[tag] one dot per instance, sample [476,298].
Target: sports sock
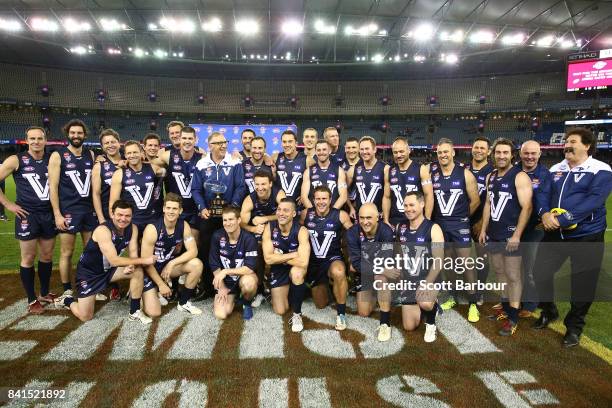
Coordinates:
[44,276]
[247,302]
[113,285]
[296,297]
[430,315]
[513,314]
[67,286]
[68,301]
[27,279]
[185,294]
[134,305]
[505,306]
[384,317]
[472,298]
[341,308]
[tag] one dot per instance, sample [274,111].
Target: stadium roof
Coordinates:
[318,39]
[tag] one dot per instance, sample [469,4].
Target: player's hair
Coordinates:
[188,129]
[213,134]
[259,138]
[482,139]
[131,143]
[150,136]
[351,139]
[401,139]
[175,123]
[174,198]
[248,130]
[503,141]
[329,129]
[368,139]
[311,129]
[122,204]
[322,188]
[418,194]
[231,209]
[35,128]
[289,132]
[322,141]
[290,201]
[446,140]
[75,122]
[586,137]
[263,173]
[109,132]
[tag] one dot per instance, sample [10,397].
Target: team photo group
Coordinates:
[183,224]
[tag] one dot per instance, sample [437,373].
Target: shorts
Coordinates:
[457,233]
[35,226]
[148,284]
[279,276]
[90,283]
[318,270]
[83,222]
[193,219]
[232,285]
[496,247]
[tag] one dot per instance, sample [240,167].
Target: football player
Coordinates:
[324,172]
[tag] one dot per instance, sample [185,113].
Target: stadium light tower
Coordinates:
[247,26]
[482,37]
[111,24]
[292,28]
[73,26]
[43,24]
[322,27]
[213,25]
[10,25]
[423,32]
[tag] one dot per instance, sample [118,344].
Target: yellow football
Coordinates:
[559,211]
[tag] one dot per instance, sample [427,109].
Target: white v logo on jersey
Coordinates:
[81,187]
[416,261]
[41,192]
[320,249]
[185,189]
[331,184]
[481,188]
[397,190]
[141,202]
[447,207]
[289,187]
[369,196]
[227,263]
[498,209]
[578,177]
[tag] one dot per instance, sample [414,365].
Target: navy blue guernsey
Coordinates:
[451,201]
[481,179]
[369,184]
[325,234]
[137,189]
[401,182]
[180,173]
[355,237]
[168,246]
[289,174]
[31,183]
[339,157]
[92,258]
[225,255]
[505,206]
[249,172]
[75,182]
[283,243]
[107,169]
[416,243]
[328,177]
[263,208]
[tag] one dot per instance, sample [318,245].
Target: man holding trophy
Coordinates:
[218,179]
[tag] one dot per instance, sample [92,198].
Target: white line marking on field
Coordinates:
[154,395]
[463,334]
[518,377]
[12,313]
[198,338]
[504,393]
[539,397]
[327,343]
[263,336]
[131,341]
[12,350]
[194,394]
[313,393]
[40,323]
[274,393]
[393,390]
[167,325]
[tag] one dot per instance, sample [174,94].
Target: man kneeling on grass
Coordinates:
[101,263]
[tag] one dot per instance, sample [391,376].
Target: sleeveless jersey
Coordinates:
[137,188]
[282,243]
[369,184]
[481,179]
[356,238]
[328,177]
[339,157]
[92,258]
[168,246]
[289,174]
[325,234]
[225,255]
[451,201]
[249,172]
[31,183]
[401,182]
[416,244]
[107,169]
[505,207]
[75,181]
[180,173]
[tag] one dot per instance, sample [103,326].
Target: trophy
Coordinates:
[217,203]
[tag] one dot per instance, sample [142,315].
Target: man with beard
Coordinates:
[504,218]
[101,263]
[136,184]
[370,230]
[456,198]
[333,138]
[405,176]
[580,188]
[70,192]
[286,249]
[325,226]
[324,172]
[34,226]
[253,164]
[290,166]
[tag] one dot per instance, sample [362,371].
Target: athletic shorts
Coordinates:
[496,247]
[148,282]
[83,222]
[279,276]
[232,285]
[90,283]
[395,221]
[318,270]
[35,226]
[457,233]
[193,219]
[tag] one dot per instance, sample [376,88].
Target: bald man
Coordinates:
[370,230]
[540,181]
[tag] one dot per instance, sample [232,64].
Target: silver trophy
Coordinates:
[217,203]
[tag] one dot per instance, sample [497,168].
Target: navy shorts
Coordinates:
[318,270]
[89,283]
[457,233]
[232,284]
[148,282]
[35,226]
[395,221]
[279,276]
[499,246]
[83,222]
[193,219]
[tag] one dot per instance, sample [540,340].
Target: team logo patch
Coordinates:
[411,178]
[28,168]
[403,229]
[504,185]
[67,156]
[108,174]
[176,159]
[394,180]
[557,176]
[148,177]
[128,173]
[24,224]
[393,171]
[177,168]
[130,181]
[106,166]
[68,218]
[315,176]
[222,242]
[208,171]
[436,185]
[25,159]
[436,177]
[456,183]
[311,225]
[70,166]
[247,166]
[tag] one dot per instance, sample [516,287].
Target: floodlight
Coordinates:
[513,39]
[160,53]
[482,37]
[423,32]
[139,52]
[214,25]
[247,27]
[545,41]
[10,25]
[111,25]
[292,27]
[566,43]
[451,59]
[79,50]
[397,58]
[419,58]
[377,58]
[322,28]
[43,24]
[74,26]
